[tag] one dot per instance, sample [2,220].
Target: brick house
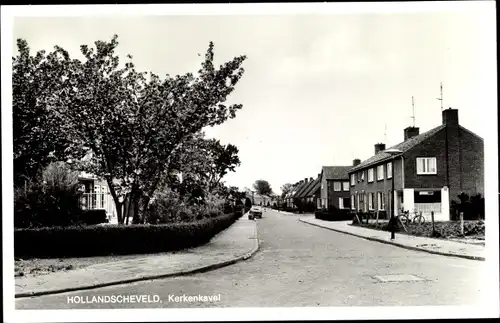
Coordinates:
[334,187]
[301,197]
[298,188]
[432,170]
[313,193]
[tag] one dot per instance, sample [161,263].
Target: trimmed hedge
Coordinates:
[104,240]
[91,217]
[446,229]
[333,215]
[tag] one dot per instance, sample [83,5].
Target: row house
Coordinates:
[428,171]
[303,191]
[308,194]
[334,188]
[313,193]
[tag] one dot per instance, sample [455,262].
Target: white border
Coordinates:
[491,170]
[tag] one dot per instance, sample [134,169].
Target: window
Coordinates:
[353,207]
[362,175]
[337,186]
[370,175]
[380,202]
[343,202]
[380,172]
[345,186]
[426,165]
[370,201]
[353,179]
[389,170]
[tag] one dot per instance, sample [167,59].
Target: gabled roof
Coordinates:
[313,188]
[299,189]
[336,172]
[403,146]
[304,189]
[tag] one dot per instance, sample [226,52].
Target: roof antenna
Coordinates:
[385,134]
[441,97]
[413,110]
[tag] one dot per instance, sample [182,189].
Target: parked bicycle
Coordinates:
[415,217]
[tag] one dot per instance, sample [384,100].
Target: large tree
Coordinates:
[285,189]
[202,164]
[38,134]
[262,187]
[133,122]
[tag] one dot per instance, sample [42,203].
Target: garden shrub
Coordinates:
[87,241]
[52,201]
[333,215]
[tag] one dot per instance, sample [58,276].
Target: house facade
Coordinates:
[313,193]
[334,188]
[430,170]
[96,194]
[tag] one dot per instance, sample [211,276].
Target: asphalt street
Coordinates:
[301,265]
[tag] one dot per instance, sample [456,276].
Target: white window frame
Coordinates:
[370,201]
[426,165]
[389,170]
[380,202]
[362,175]
[345,186]
[380,172]
[353,202]
[337,186]
[370,175]
[344,205]
[353,179]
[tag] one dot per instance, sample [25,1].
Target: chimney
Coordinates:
[379,147]
[305,180]
[411,132]
[311,179]
[450,117]
[356,162]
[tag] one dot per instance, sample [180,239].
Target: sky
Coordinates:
[319,89]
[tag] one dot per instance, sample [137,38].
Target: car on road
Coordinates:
[255,212]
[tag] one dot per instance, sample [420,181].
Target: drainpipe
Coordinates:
[402,175]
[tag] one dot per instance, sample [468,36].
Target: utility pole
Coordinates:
[441,96]
[413,110]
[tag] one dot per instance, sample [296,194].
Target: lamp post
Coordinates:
[392,222]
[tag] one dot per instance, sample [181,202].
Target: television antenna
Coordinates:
[441,96]
[385,133]
[413,110]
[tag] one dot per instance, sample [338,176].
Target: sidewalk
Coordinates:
[236,243]
[430,245]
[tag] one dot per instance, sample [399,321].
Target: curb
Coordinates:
[399,244]
[197,270]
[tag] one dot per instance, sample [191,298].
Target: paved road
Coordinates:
[303,265]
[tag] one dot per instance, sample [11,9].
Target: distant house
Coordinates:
[335,187]
[258,199]
[299,195]
[432,169]
[313,193]
[95,192]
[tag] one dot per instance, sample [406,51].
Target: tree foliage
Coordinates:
[38,133]
[133,122]
[262,187]
[285,189]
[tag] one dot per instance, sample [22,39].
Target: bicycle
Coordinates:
[406,218]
